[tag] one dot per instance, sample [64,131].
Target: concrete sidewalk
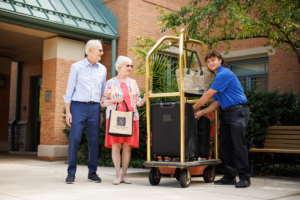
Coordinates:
[37,180]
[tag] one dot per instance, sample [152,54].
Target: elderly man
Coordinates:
[85,88]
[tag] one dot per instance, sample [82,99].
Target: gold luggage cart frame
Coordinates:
[184,167]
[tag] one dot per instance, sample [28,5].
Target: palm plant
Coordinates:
[162,69]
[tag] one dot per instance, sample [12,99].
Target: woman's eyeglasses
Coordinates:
[129,66]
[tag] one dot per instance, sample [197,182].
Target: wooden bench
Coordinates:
[279,139]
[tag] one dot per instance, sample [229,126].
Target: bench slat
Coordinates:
[282,132]
[292,137]
[276,150]
[282,141]
[295,128]
[283,148]
[282,145]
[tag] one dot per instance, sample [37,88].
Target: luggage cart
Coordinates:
[182,166]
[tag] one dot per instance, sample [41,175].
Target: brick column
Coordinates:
[58,56]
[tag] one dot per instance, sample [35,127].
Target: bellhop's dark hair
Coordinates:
[214,53]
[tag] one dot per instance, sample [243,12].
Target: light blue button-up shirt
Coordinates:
[86,82]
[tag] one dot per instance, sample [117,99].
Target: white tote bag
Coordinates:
[120,123]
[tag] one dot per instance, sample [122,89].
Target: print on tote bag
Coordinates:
[121,121]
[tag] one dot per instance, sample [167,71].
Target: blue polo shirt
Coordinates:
[230,91]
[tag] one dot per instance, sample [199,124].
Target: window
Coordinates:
[253,74]
[172,66]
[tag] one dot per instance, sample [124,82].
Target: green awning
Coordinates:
[78,18]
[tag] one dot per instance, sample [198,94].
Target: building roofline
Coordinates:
[20,19]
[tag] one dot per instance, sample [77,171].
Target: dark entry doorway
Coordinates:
[36,105]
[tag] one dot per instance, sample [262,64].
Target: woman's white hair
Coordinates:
[121,60]
[92,44]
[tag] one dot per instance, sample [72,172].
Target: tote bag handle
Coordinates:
[125,105]
[190,62]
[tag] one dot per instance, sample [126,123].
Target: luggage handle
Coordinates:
[169,101]
[190,62]
[167,104]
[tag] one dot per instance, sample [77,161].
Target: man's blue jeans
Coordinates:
[89,115]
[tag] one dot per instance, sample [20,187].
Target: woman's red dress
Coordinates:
[134,139]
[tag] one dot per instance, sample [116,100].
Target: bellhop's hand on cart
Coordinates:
[205,98]
[228,93]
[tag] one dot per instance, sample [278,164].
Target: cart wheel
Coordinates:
[154,176]
[185,178]
[209,174]
[177,174]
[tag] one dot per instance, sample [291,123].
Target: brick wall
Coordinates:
[106,59]
[20,132]
[284,71]
[55,78]
[4,108]
[120,9]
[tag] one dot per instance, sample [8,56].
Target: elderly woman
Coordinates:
[118,89]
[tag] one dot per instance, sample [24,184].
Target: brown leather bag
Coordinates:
[196,82]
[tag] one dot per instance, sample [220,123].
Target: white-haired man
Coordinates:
[85,88]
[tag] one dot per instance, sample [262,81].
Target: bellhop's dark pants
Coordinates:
[234,148]
[89,114]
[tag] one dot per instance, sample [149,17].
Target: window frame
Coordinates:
[248,76]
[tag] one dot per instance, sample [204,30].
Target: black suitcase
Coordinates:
[203,137]
[165,125]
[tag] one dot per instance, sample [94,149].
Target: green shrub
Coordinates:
[271,109]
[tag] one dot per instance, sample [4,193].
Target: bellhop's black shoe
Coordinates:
[224,181]
[243,184]
[94,178]
[70,179]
